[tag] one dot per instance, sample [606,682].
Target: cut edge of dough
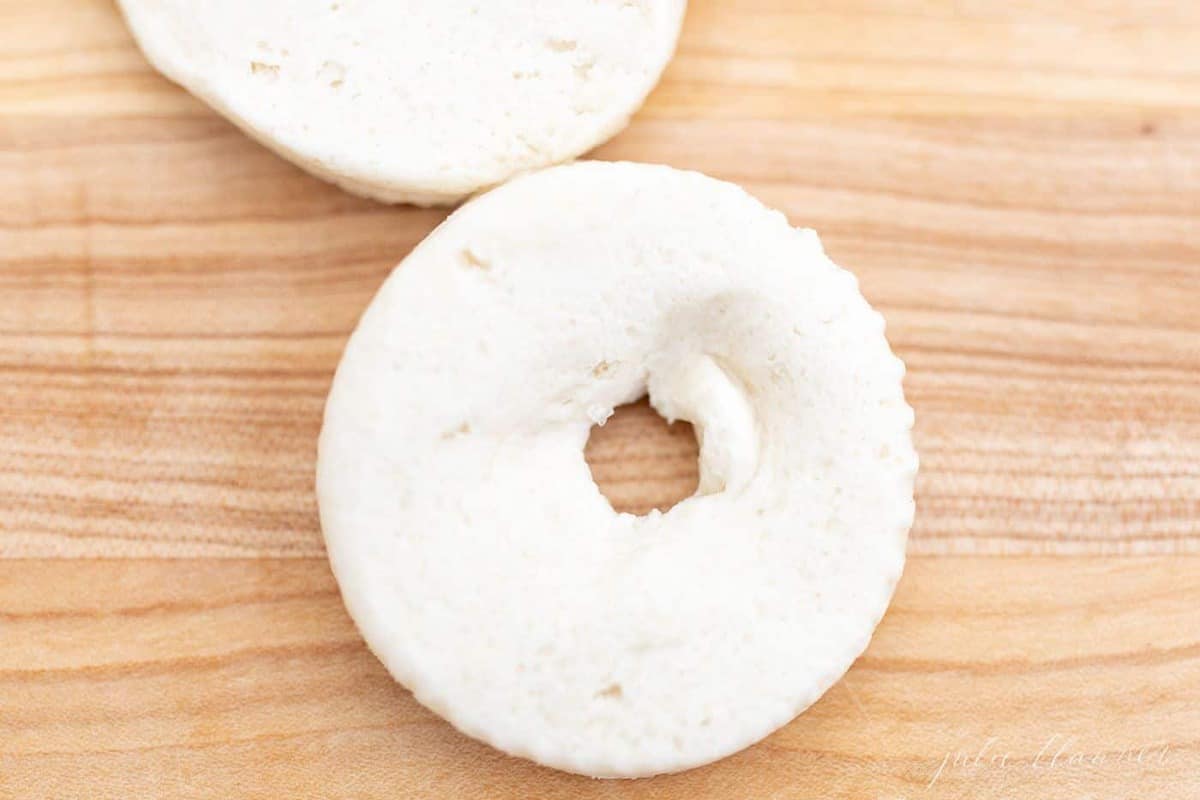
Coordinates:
[393,189]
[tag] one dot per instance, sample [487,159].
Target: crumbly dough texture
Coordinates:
[476,553]
[415,101]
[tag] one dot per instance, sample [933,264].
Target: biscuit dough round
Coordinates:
[416,101]
[478,556]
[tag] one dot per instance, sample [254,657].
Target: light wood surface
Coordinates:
[1017,185]
[232,678]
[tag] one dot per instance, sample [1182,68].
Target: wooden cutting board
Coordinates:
[1017,184]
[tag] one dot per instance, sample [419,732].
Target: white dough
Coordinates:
[476,553]
[416,101]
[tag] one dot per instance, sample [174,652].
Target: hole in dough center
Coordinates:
[640,462]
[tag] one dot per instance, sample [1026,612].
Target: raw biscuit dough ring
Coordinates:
[415,101]
[475,551]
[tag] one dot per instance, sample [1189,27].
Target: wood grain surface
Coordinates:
[245,678]
[1017,185]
